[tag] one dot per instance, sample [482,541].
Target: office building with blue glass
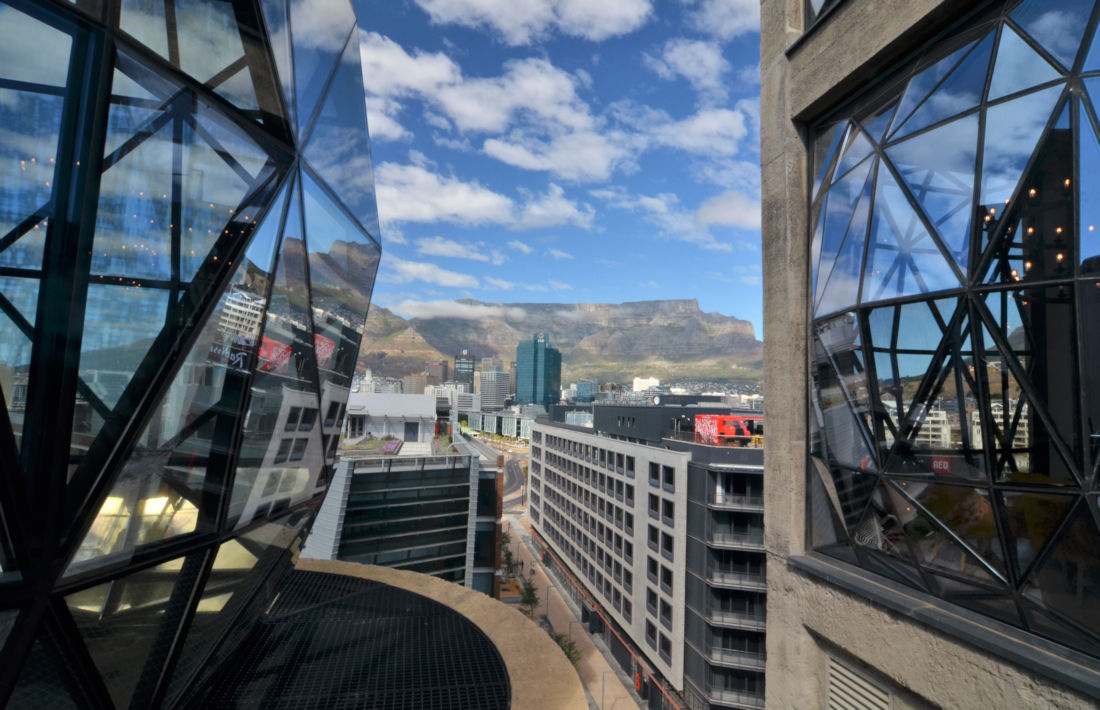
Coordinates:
[538,372]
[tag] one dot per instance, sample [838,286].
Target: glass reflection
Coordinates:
[277,469]
[37,56]
[1011,132]
[1088,157]
[838,213]
[902,258]
[921,85]
[18,304]
[960,91]
[1018,66]
[339,147]
[317,49]
[938,169]
[842,289]
[1058,25]
[189,435]
[1068,579]
[120,621]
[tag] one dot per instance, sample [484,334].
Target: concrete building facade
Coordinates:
[928,170]
[667,538]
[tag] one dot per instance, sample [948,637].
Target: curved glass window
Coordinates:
[955,271]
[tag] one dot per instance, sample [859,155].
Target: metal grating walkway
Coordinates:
[339,642]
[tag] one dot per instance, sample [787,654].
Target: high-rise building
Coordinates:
[414,384]
[932,402]
[437,372]
[188,241]
[538,372]
[493,387]
[665,537]
[464,369]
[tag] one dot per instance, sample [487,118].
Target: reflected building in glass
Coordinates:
[188,244]
[944,441]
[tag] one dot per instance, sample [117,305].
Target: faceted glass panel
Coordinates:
[857,149]
[189,434]
[842,289]
[1058,25]
[842,402]
[902,258]
[876,125]
[825,150]
[339,147]
[1089,188]
[1067,579]
[1018,67]
[18,304]
[47,680]
[1011,132]
[275,18]
[318,47]
[120,620]
[826,527]
[839,213]
[921,85]
[1089,300]
[959,92]
[1031,519]
[1067,632]
[938,168]
[967,513]
[276,469]
[882,527]
[36,55]
[144,20]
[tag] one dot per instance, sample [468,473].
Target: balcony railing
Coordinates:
[736,697]
[749,660]
[751,540]
[736,502]
[747,620]
[742,580]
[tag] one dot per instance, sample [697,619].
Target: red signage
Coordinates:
[325,348]
[273,355]
[941,465]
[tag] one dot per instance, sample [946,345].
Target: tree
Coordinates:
[568,647]
[529,598]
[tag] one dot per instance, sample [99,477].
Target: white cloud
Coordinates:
[559,286]
[440,246]
[519,22]
[750,280]
[382,119]
[701,63]
[520,246]
[664,212]
[455,310]
[411,193]
[501,284]
[724,19]
[559,254]
[731,208]
[554,209]
[388,70]
[716,131]
[580,156]
[397,270]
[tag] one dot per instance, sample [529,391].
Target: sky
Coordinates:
[564,151]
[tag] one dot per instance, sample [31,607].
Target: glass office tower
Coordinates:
[188,243]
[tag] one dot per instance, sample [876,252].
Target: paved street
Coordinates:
[593,665]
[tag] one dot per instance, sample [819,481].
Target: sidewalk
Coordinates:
[599,678]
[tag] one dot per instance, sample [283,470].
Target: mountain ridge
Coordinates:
[669,339]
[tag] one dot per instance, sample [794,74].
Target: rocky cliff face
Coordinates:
[607,341]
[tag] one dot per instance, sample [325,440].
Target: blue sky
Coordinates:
[565,151]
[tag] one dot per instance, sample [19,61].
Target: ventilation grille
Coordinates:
[849,690]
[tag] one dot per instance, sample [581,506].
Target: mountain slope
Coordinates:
[666,339]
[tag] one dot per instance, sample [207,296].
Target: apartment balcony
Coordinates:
[737,579]
[742,503]
[744,620]
[736,698]
[750,540]
[743,660]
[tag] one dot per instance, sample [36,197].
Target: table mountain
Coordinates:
[670,339]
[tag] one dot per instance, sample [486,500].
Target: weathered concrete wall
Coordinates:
[808,618]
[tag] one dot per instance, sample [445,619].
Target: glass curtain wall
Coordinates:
[955,291]
[188,243]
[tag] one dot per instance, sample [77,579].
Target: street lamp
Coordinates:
[603,686]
